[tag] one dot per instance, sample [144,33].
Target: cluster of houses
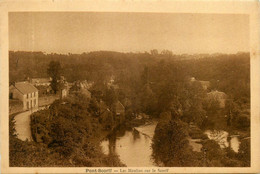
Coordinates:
[216,95]
[27,94]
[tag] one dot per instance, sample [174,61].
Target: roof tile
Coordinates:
[25,87]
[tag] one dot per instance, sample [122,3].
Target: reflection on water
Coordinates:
[221,137]
[132,146]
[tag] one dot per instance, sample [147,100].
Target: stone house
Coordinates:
[26,93]
[80,87]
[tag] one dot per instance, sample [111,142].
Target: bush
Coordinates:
[244,152]
[67,128]
[242,122]
[170,145]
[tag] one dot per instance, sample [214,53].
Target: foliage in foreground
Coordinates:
[68,136]
[171,148]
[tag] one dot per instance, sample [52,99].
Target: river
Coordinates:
[221,137]
[133,145]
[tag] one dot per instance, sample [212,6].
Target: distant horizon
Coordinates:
[137,52]
[78,32]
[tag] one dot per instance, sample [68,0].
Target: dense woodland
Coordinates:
[134,72]
[157,84]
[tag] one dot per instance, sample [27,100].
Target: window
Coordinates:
[34,102]
[27,96]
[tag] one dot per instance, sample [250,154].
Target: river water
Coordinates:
[221,137]
[132,146]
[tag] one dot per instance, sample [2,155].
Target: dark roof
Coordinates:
[25,87]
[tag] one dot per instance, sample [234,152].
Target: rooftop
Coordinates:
[40,80]
[25,87]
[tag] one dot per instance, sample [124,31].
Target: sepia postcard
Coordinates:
[130,86]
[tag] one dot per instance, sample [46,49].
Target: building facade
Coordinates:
[26,93]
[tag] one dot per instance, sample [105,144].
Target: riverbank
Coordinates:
[219,122]
[132,144]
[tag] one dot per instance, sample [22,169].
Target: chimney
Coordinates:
[29,79]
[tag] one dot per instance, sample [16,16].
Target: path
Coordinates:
[22,125]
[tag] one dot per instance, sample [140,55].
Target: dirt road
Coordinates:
[22,125]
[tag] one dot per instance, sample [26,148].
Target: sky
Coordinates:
[78,32]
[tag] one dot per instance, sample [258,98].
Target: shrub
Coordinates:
[242,122]
[170,145]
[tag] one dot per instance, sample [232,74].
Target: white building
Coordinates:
[41,81]
[26,93]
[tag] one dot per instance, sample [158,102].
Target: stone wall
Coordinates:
[15,106]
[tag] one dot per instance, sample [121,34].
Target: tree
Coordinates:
[54,71]
[154,52]
[166,52]
[145,75]
[214,155]
[28,73]
[170,145]
[148,100]
[110,97]
[165,116]
[93,107]
[244,152]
